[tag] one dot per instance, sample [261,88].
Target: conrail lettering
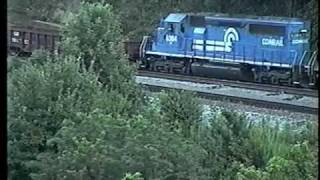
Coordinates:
[272,42]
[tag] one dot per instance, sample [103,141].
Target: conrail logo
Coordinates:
[230,36]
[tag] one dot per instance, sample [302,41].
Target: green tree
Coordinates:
[98,146]
[40,97]
[225,139]
[42,10]
[181,111]
[283,154]
[93,35]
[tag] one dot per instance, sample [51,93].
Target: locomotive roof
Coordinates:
[177,17]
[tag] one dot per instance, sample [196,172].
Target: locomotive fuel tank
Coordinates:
[222,71]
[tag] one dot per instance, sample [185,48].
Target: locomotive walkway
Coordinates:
[267,98]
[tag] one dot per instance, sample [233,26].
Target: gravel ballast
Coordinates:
[230,91]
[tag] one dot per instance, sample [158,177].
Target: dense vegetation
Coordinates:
[81,116]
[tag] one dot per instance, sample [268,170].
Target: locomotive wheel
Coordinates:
[151,65]
[247,73]
[274,79]
[287,81]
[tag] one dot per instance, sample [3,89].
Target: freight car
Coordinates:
[23,38]
[262,49]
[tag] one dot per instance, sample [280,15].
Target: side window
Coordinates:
[182,28]
[171,27]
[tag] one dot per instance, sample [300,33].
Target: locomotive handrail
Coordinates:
[312,62]
[185,46]
[280,58]
[214,49]
[301,60]
[312,58]
[244,54]
[254,54]
[294,61]
[142,46]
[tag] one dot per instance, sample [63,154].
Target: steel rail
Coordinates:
[232,83]
[244,100]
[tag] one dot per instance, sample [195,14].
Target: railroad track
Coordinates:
[244,100]
[232,83]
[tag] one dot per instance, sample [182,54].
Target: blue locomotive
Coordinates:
[262,49]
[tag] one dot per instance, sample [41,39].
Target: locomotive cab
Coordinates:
[170,33]
[303,68]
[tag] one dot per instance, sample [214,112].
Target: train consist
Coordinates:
[261,49]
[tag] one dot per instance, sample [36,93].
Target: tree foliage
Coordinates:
[180,112]
[93,35]
[62,126]
[101,47]
[41,10]
[40,97]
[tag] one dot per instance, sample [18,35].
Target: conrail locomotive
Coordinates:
[262,49]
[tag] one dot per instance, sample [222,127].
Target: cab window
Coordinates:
[171,28]
[182,28]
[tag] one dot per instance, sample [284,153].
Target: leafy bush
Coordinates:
[94,36]
[280,154]
[40,97]
[180,111]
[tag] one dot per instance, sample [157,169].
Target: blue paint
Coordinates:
[260,40]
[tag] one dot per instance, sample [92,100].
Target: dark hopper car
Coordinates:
[23,38]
